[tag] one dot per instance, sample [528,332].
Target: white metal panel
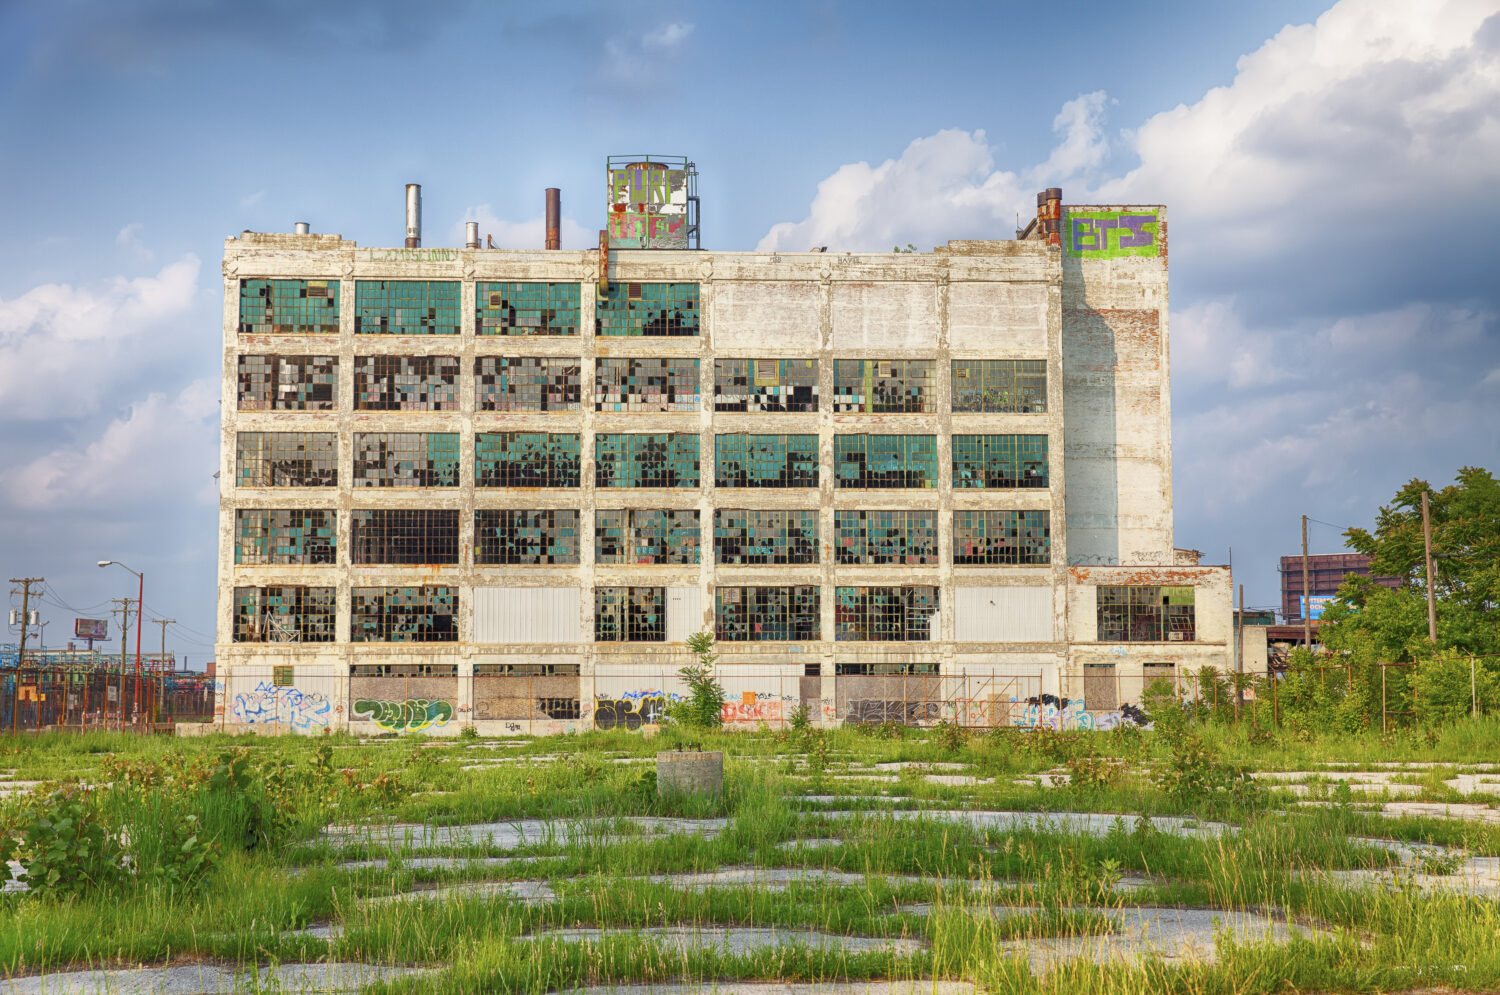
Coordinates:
[684,612]
[1003,614]
[526,615]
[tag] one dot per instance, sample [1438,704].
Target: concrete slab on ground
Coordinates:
[734,939]
[206,979]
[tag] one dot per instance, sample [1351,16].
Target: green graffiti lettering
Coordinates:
[411,715]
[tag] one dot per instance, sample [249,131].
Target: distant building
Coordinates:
[1325,572]
[502,487]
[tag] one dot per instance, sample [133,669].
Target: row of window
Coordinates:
[639,615]
[431,307]
[277,382]
[621,614]
[743,537]
[637,459]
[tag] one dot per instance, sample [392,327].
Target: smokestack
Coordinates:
[301,228]
[414,215]
[471,234]
[1049,215]
[554,218]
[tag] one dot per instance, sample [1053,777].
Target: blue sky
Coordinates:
[1331,173]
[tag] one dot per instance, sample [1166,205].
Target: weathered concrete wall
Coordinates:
[1100,325]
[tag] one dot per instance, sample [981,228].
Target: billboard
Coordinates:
[1313,605]
[90,628]
[648,203]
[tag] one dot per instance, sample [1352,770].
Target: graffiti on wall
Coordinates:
[411,715]
[751,712]
[878,711]
[269,704]
[632,709]
[1064,715]
[1112,234]
[647,207]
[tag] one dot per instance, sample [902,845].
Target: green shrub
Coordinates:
[66,848]
[704,707]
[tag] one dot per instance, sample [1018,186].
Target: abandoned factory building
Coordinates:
[501,487]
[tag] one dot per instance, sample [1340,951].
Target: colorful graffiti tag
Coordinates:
[1064,715]
[751,712]
[1112,234]
[878,711]
[411,715]
[631,711]
[268,704]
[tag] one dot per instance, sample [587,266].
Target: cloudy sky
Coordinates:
[1333,175]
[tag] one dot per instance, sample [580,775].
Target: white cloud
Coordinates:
[1082,148]
[129,239]
[667,36]
[1326,133]
[943,186]
[528,234]
[1336,124]
[61,345]
[637,60]
[159,449]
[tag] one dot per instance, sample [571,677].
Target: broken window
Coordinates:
[406,459]
[289,307]
[646,385]
[526,308]
[404,670]
[526,459]
[406,307]
[559,708]
[887,670]
[883,386]
[766,614]
[886,537]
[403,615]
[406,383]
[906,461]
[284,614]
[643,535]
[526,383]
[1002,538]
[523,536]
[1140,614]
[285,536]
[661,459]
[771,538]
[286,459]
[1000,386]
[999,461]
[885,614]
[288,383]
[526,670]
[765,385]
[630,615]
[403,536]
[766,460]
[647,309]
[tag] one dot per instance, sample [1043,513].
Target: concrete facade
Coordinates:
[525,658]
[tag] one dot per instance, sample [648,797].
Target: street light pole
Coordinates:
[139,621]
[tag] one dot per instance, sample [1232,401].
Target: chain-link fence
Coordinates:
[33,699]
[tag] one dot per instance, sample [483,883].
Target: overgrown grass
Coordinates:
[272,873]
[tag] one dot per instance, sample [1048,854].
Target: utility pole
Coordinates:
[25,582]
[124,604]
[161,674]
[1427,556]
[1239,655]
[1306,599]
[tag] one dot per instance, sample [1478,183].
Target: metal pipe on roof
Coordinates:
[554,218]
[414,215]
[301,228]
[471,234]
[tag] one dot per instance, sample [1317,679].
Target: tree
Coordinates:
[704,708]
[1370,623]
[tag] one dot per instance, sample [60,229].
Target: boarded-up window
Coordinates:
[1101,693]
